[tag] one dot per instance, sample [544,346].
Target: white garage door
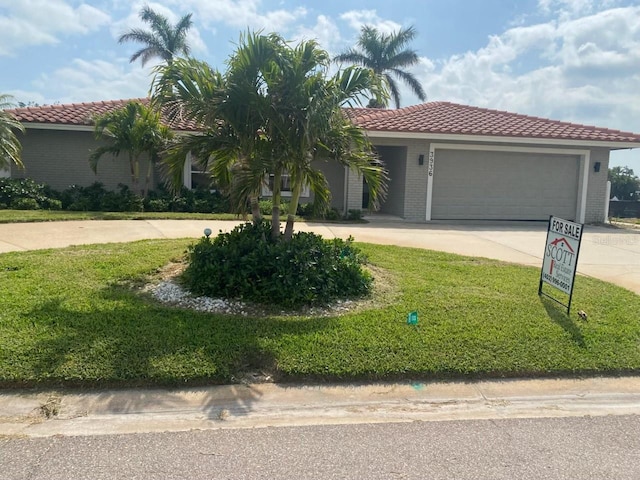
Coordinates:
[484,185]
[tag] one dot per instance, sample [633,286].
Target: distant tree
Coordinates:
[164,41]
[134,129]
[10,147]
[387,56]
[624,183]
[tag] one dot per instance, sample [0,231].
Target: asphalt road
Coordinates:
[559,448]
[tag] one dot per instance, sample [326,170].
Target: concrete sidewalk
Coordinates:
[607,253]
[262,405]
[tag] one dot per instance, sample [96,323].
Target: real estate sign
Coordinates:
[561,255]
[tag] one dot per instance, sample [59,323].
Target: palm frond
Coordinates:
[412,81]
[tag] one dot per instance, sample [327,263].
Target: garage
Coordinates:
[503,185]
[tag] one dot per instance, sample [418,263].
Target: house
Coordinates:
[446,161]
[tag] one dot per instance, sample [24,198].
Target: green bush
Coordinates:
[305,210]
[266,207]
[247,264]
[24,204]
[12,190]
[78,198]
[97,198]
[200,200]
[52,204]
[157,205]
[354,214]
[332,215]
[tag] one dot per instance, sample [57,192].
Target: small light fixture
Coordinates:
[420,159]
[207,232]
[596,167]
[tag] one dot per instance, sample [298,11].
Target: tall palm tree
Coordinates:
[273,111]
[10,146]
[387,56]
[164,41]
[134,129]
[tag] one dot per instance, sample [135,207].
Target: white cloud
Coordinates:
[582,70]
[38,22]
[90,80]
[244,14]
[358,18]
[325,32]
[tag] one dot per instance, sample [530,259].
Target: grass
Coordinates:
[24,216]
[70,317]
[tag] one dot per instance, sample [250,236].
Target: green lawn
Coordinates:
[71,318]
[23,216]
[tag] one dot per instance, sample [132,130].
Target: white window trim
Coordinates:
[266,191]
[188,171]
[584,155]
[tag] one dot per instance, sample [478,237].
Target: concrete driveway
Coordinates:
[607,253]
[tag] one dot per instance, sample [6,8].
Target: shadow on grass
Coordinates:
[127,341]
[558,314]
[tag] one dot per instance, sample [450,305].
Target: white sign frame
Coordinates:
[560,258]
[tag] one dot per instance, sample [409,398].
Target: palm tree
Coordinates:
[232,146]
[272,113]
[387,56]
[10,147]
[134,129]
[163,41]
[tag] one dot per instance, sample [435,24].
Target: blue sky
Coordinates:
[572,60]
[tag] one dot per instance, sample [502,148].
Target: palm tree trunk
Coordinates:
[293,207]
[147,179]
[132,168]
[255,209]
[276,196]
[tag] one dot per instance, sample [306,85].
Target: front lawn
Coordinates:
[73,317]
[23,216]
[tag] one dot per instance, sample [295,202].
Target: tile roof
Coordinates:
[454,119]
[426,118]
[81,114]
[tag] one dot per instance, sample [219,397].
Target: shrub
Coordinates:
[24,204]
[266,207]
[14,189]
[354,215]
[332,214]
[247,264]
[157,205]
[52,204]
[80,198]
[305,209]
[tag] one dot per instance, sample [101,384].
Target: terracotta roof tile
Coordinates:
[451,118]
[83,113]
[427,118]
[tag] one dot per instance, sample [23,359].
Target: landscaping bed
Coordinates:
[81,316]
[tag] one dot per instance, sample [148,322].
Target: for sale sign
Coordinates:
[561,255]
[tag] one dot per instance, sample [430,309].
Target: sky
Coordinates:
[571,60]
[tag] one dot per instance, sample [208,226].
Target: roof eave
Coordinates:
[80,128]
[502,139]
[58,126]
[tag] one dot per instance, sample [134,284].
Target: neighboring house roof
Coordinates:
[433,118]
[82,114]
[454,119]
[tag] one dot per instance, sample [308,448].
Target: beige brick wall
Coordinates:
[60,158]
[597,186]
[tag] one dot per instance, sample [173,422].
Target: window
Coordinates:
[285,187]
[195,176]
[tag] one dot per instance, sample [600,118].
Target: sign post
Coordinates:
[561,257]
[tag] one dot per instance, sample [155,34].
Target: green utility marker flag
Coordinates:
[412,318]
